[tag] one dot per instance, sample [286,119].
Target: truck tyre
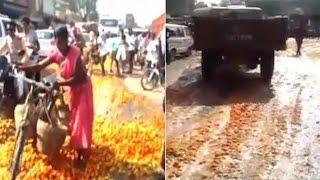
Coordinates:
[189,52]
[205,66]
[267,66]
[172,55]
[209,62]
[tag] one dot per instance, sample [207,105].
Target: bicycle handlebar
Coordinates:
[28,80]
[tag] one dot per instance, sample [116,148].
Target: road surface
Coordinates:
[236,127]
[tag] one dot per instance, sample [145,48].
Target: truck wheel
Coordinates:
[209,62]
[189,52]
[205,66]
[267,66]
[172,55]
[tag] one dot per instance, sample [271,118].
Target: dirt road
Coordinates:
[236,127]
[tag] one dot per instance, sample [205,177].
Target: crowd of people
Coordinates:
[125,49]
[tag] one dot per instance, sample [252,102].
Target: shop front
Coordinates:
[14,9]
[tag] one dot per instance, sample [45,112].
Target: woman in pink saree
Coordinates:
[74,75]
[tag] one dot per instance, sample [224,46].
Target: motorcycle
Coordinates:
[9,86]
[152,75]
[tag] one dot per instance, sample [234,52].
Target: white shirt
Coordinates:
[13,46]
[122,51]
[30,39]
[163,40]
[103,47]
[152,53]
[131,41]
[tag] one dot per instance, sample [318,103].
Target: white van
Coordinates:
[107,24]
[181,40]
[4,20]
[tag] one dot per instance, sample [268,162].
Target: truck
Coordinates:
[110,24]
[238,35]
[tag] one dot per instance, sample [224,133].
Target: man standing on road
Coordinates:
[103,51]
[114,43]
[131,50]
[299,33]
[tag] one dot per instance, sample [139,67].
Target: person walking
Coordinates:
[131,39]
[103,50]
[73,74]
[93,56]
[299,32]
[114,45]
[122,53]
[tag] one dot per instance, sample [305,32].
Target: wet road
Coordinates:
[237,127]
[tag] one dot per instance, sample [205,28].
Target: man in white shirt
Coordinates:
[131,39]
[152,50]
[104,49]
[14,45]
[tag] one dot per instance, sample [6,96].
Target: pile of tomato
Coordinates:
[125,142]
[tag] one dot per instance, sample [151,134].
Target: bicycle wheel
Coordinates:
[149,80]
[17,155]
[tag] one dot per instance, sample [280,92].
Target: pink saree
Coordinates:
[80,100]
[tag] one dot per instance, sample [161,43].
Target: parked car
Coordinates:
[46,41]
[4,20]
[181,41]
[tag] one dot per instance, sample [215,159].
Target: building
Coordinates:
[130,21]
[286,7]
[309,8]
[14,8]
[42,12]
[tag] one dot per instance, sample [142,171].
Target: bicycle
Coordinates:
[152,75]
[20,142]
[39,95]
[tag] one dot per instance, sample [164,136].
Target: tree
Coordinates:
[200,4]
[87,7]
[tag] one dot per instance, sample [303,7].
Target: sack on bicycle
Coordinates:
[52,129]
[27,112]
